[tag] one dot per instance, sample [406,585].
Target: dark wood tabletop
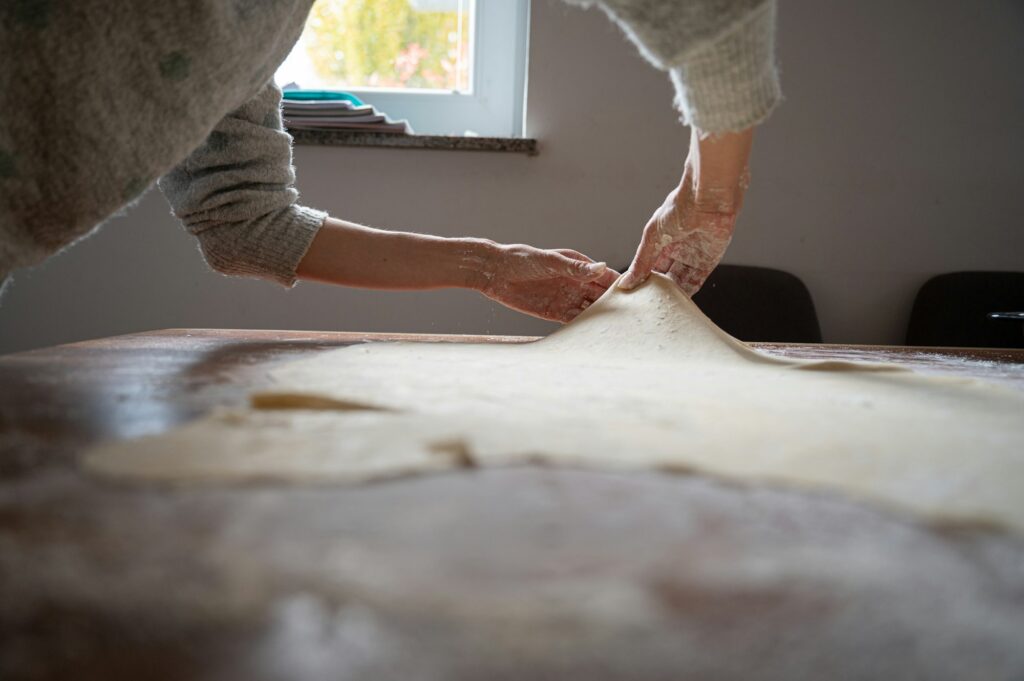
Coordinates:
[526,572]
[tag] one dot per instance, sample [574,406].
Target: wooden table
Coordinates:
[528,573]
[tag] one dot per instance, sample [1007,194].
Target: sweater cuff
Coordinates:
[298,231]
[732,83]
[269,248]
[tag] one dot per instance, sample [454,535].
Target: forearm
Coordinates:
[717,169]
[353,255]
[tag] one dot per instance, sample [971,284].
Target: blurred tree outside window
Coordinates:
[392,44]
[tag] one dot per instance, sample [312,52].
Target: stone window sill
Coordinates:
[347,138]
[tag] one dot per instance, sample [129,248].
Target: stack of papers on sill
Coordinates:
[338,115]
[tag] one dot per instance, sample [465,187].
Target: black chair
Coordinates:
[969,310]
[759,304]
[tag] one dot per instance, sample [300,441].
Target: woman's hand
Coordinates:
[555,285]
[688,234]
[550,284]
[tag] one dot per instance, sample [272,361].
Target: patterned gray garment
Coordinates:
[100,98]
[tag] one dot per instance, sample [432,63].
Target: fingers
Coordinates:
[571,315]
[680,274]
[695,282]
[574,312]
[689,279]
[591,292]
[607,277]
[607,280]
[643,262]
[664,262]
[555,285]
[574,303]
[575,255]
[584,270]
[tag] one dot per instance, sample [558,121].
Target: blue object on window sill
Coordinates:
[321,95]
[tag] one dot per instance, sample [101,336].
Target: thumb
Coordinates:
[643,263]
[580,270]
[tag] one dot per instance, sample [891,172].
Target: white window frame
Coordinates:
[494,105]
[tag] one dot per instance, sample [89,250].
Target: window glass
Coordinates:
[385,44]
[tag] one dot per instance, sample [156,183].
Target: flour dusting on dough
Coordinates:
[639,381]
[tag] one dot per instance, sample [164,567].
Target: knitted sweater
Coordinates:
[100,98]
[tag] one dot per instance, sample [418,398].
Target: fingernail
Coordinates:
[596,267]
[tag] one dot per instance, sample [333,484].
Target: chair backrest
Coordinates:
[760,304]
[960,309]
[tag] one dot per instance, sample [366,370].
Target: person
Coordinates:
[102,98]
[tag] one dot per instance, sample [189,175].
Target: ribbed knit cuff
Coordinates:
[732,83]
[297,236]
[270,247]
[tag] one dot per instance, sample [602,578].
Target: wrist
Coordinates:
[476,262]
[716,173]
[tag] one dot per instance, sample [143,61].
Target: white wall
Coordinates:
[896,155]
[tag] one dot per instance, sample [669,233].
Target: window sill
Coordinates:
[346,138]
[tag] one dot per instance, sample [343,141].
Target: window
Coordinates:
[450,67]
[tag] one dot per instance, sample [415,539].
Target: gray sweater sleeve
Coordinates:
[236,194]
[99,98]
[720,55]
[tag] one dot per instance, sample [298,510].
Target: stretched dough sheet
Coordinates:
[641,380]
